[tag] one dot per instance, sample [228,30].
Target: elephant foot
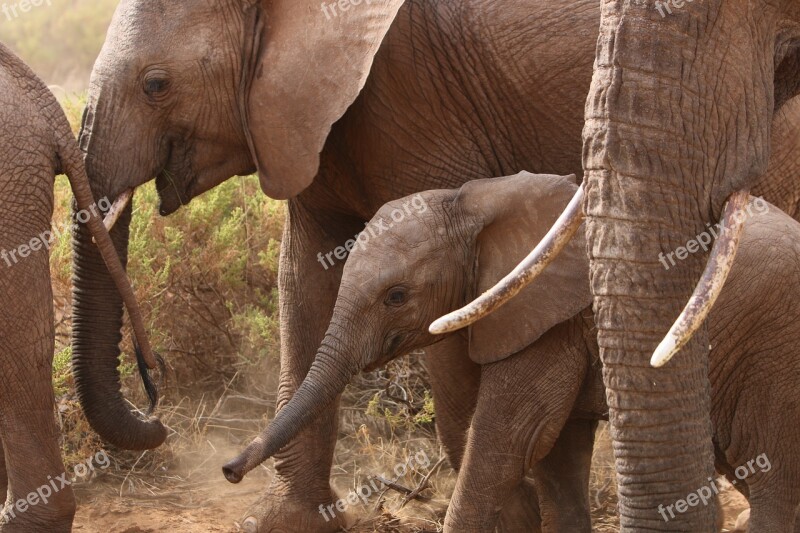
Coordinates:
[521,511]
[289,514]
[53,514]
[26,524]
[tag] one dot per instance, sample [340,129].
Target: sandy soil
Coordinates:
[190,500]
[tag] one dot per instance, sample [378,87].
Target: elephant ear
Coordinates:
[516,212]
[313,60]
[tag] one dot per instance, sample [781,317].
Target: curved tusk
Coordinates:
[710,285]
[116,210]
[545,252]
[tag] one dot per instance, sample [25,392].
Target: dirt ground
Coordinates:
[183,499]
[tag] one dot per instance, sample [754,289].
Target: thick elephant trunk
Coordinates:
[660,417]
[329,375]
[96,329]
[96,333]
[655,177]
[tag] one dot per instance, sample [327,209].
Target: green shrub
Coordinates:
[205,277]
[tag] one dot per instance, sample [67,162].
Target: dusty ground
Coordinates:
[183,499]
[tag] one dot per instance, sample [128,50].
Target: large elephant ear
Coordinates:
[314,58]
[516,213]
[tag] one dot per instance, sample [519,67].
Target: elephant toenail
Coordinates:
[250,525]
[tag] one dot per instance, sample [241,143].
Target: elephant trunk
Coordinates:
[96,328]
[330,373]
[647,157]
[96,334]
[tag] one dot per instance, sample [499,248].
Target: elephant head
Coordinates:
[410,265]
[191,93]
[678,121]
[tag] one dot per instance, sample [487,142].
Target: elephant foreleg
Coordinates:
[523,403]
[454,382]
[299,497]
[562,479]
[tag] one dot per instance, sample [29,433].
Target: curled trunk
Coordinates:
[96,333]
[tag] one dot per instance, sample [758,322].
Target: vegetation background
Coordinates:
[206,279]
[59,41]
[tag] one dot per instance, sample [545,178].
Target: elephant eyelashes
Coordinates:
[396,297]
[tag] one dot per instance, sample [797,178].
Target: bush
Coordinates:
[205,277]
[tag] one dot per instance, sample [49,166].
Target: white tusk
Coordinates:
[710,285]
[116,210]
[545,252]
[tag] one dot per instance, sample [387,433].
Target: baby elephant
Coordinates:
[36,144]
[540,385]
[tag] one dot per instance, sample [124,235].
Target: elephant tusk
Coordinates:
[116,210]
[545,252]
[710,285]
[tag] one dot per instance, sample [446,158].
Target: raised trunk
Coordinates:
[332,370]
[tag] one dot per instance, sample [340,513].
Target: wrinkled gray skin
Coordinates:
[196,91]
[441,248]
[36,144]
[536,408]
[679,116]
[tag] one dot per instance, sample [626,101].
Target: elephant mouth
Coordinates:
[393,348]
[175,180]
[171,199]
[172,193]
[378,363]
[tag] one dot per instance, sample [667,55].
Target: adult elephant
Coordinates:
[678,127]
[194,92]
[340,110]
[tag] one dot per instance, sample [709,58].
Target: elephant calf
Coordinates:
[36,144]
[540,385]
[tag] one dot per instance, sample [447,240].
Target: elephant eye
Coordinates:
[156,84]
[396,297]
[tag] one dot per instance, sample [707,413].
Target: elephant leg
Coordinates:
[521,511]
[455,380]
[562,479]
[37,499]
[523,403]
[309,277]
